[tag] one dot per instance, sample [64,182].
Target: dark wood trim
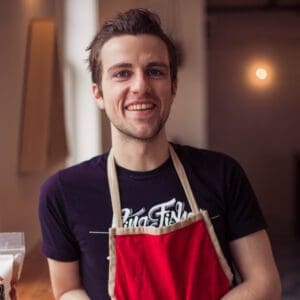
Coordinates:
[271,6]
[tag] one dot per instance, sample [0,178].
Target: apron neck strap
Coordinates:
[114,185]
[184,180]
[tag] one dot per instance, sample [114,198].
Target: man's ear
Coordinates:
[97,92]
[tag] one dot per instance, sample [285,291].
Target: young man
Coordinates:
[134,73]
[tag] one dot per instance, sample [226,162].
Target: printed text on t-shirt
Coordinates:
[159,215]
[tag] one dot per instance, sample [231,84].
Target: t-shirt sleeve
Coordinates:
[244,215]
[58,242]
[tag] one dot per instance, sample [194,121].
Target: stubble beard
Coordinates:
[128,134]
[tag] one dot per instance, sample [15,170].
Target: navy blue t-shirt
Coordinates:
[76,212]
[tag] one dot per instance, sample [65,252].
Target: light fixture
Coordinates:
[260,73]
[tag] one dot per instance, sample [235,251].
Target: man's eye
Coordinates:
[154,72]
[122,74]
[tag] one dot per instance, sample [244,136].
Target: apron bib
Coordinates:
[182,261]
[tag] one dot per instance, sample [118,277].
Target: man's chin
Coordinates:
[143,135]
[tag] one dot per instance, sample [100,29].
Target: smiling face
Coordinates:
[136,90]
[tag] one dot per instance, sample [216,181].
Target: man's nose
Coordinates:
[140,83]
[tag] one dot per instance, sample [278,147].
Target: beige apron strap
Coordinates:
[114,190]
[184,180]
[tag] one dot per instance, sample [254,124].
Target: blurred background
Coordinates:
[238,93]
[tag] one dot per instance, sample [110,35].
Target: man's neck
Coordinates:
[137,155]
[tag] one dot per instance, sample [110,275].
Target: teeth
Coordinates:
[140,106]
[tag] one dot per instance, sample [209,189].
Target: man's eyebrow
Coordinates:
[158,64]
[119,66]
[128,65]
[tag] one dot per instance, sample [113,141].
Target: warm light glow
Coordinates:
[261,73]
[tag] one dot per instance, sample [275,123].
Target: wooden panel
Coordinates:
[37,95]
[57,141]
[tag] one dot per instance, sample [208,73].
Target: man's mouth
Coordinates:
[140,106]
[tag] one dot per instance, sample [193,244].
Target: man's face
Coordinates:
[136,89]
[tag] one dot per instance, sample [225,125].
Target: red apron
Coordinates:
[182,261]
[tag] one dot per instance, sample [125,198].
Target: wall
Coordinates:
[18,194]
[258,125]
[185,22]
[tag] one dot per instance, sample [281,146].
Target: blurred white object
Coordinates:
[12,252]
[6,270]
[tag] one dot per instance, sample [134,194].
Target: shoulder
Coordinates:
[206,159]
[76,175]
[219,171]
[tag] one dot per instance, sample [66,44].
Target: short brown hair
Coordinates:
[134,22]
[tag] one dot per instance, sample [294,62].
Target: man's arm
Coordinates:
[65,280]
[254,260]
